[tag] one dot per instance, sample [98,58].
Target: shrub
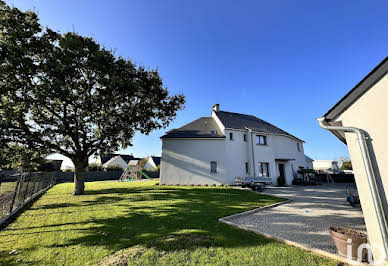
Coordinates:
[113,168]
[95,167]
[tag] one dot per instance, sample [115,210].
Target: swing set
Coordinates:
[133,173]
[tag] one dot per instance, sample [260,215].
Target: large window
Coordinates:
[213,167]
[264,169]
[261,140]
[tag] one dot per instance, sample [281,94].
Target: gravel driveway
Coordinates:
[307,218]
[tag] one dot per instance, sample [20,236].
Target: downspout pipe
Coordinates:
[253,152]
[376,198]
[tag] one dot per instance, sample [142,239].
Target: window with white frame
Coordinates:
[264,169]
[213,167]
[261,140]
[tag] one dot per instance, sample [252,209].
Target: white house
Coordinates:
[116,161]
[152,163]
[216,149]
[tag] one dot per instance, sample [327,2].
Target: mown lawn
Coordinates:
[155,225]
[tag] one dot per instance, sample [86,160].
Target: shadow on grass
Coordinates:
[163,218]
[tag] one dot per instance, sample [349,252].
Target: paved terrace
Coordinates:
[307,218]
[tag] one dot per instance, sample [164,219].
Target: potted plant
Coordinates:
[340,237]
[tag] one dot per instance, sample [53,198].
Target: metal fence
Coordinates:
[19,189]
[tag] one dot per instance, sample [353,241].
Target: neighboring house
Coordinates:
[216,149]
[116,161]
[365,108]
[106,158]
[152,163]
[309,162]
[326,166]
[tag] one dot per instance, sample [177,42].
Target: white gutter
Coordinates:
[376,197]
[253,153]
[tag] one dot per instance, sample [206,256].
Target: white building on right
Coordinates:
[360,120]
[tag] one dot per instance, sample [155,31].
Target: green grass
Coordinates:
[155,225]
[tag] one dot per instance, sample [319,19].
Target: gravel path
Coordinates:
[307,218]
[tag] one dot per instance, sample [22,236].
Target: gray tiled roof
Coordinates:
[204,127]
[241,121]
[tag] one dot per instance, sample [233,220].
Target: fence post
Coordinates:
[14,193]
[26,189]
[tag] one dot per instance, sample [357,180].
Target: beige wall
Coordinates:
[370,113]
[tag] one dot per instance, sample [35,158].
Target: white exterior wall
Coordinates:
[150,164]
[236,154]
[187,161]
[369,114]
[309,164]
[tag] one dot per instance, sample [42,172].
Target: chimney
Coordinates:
[216,107]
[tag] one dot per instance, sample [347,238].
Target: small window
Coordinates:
[245,137]
[261,140]
[213,132]
[298,146]
[231,136]
[213,167]
[264,169]
[246,168]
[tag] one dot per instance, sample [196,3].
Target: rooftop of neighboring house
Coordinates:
[206,127]
[125,157]
[133,162]
[156,159]
[308,158]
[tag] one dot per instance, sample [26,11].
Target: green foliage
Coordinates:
[46,166]
[160,225]
[142,162]
[67,94]
[95,167]
[346,165]
[23,158]
[113,168]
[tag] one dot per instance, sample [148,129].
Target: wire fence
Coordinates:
[18,190]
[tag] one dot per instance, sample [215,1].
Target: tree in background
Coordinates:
[142,162]
[64,93]
[346,165]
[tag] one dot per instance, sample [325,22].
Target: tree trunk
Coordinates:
[80,168]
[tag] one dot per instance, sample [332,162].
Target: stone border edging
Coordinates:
[241,214]
[282,240]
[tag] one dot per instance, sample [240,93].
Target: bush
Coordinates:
[113,168]
[95,167]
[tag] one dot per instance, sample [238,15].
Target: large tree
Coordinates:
[65,93]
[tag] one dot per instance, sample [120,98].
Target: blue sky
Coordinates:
[286,62]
